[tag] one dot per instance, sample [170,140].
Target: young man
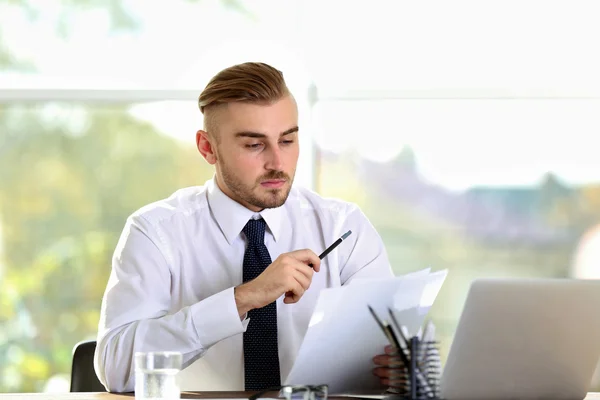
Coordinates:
[227,273]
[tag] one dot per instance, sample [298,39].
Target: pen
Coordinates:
[387,329]
[333,246]
[404,342]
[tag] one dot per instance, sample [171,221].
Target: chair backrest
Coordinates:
[83,376]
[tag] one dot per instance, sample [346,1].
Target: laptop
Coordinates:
[525,339]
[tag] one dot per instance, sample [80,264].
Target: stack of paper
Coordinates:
[343,338]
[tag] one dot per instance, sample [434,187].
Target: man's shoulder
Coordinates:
[183,202]
[312,201]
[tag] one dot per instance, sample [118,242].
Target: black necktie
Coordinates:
[261,355]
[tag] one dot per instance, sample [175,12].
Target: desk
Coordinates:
[114,396]
[126,396]
[129,396]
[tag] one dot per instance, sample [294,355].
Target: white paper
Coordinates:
[343,337]
[412,305]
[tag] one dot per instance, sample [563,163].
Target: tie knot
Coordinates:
[255,231]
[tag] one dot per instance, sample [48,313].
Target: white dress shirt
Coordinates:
[178,260]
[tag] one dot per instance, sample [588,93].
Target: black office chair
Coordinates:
[83,376]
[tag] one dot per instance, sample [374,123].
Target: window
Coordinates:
[70,175]
[482,187]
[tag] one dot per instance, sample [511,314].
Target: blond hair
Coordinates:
[247,82]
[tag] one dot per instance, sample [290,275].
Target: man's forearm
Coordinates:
[114,358]
[190,331]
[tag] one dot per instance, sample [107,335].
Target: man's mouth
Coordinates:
[273,183]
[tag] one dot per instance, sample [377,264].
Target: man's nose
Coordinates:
[274,160]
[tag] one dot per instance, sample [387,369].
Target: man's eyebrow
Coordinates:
[289,131]
[262,135]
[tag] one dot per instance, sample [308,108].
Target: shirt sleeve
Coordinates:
[136,316]
[365,256]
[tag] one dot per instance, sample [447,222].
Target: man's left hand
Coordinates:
[389,367]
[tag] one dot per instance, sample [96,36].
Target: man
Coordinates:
[227,273]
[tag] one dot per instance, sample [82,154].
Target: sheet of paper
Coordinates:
[416,274]
[411,306]
[343,337]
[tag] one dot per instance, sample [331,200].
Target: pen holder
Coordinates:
[421,378]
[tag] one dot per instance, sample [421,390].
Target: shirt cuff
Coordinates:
[216,318]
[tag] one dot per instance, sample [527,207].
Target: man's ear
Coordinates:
[205,147]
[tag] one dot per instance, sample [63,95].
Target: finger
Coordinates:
[296,291]
[394,383]
[303,279]
[305,269]
[288,299]
[389,349]
[316,266]
[386,360]
[308,256]
[390,373]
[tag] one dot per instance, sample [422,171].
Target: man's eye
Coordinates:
[287,141]
[254,145]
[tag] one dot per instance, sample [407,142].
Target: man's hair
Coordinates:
[247,82]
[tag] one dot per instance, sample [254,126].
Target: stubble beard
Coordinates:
[273,198]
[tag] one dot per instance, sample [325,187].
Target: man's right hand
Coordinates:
[289,274]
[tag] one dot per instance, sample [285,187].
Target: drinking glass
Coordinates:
[156,375]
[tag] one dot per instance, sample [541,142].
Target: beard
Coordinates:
[255,194]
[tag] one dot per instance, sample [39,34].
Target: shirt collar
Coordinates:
[231,216]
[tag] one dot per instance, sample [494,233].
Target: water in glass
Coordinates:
[157,384]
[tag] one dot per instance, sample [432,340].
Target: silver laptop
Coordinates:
[525,339]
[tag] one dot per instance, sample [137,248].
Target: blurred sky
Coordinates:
[450,51]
